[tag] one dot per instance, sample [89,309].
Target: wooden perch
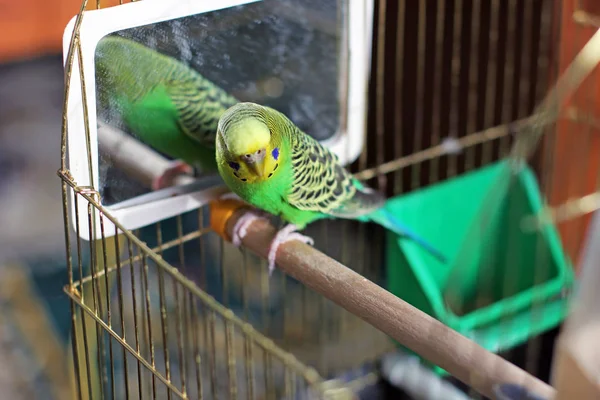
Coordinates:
[137,160]
[434,341]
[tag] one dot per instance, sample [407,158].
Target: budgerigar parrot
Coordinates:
[165,103]
[270,163]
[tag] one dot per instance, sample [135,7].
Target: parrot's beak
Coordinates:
[258,167]
[256,163]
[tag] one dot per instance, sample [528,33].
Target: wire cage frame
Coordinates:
[207,334]
[105,340]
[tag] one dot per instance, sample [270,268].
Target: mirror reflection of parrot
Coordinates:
[270,163]
[163,102]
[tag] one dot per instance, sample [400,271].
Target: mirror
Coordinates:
[155,90]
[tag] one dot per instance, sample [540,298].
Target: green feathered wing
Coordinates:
[163,102]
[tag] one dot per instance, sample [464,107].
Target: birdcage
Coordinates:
[186,325]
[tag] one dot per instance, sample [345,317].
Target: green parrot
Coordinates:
[165,103]
[270,163]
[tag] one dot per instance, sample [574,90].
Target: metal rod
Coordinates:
[547,111]
[135,317]
[439,150]
[120,289]
[379,94]
[195,317]
[178,316]
[460,356]
[398,82]
[146,291]
[162,301]
[489,100]
[86,348]
[231,364]
[418,135]
[107,293]
[97,304]
[455,73]
[249,368]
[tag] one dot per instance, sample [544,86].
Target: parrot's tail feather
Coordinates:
[388,221]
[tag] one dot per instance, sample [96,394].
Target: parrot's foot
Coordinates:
[175,169]
[242,224]
[286,234]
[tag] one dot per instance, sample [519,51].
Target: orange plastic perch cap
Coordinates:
[220,212]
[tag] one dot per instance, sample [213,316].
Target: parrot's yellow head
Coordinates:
[250,154]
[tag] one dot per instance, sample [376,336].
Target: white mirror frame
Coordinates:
[96,24]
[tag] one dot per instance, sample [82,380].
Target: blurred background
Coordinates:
[524,36]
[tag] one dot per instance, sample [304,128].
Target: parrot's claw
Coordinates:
[286,234]
[175,169]
[242,224]
[229,195]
